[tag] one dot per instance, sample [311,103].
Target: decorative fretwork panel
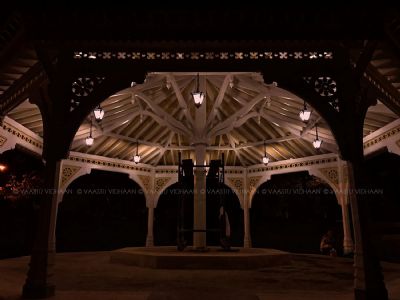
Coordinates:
[67,172]
[22,135]
[237,183]
[326,88]
[3,140]
[233,171]
[163,171]
[331,174]
[110,163]
[205,55]
[146,181]
[382,137]
[305,163]
[252,182]
[83,87]
[161,182]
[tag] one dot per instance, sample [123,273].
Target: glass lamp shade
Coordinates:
[305,115]
[198,98]
[317,143]
[98,113]
[136,159]
[265,160]
[89,140]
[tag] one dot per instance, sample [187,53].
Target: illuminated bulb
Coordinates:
[98,113]
[305,114]
[136,159]
[198,98]
[317,143]
[89,140]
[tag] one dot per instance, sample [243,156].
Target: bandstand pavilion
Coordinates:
[56,71]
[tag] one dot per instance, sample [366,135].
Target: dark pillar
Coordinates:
[40,279]
[53,101]
[354,100]
[368,278]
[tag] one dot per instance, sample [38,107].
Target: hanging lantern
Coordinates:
[98,113]
[198,96]
[317,142]
[265,158]
[305,114]
[137,157]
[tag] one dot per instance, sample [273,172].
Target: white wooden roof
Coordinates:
[242,113]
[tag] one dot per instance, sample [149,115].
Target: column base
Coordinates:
[149,242]
[348,250]
[199,239]
[201,249]
[31,291]
[371,294]
[247,243]
[348,247]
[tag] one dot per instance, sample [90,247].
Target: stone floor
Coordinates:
[90,275]
[213,259]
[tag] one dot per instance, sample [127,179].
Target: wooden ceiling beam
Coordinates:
[241,115]
[182,102]
[218,99]
[163,117]
[232,143]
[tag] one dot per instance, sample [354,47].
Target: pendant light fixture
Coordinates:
[98,113]
[265,158]
[137,157]
[317,142]
[89,140]
[197,95]
[305,114]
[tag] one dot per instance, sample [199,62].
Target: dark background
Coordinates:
[106,221]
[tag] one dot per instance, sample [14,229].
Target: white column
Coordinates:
[348,245]
[200,144]
[199,238]
[150,222]
[246,214]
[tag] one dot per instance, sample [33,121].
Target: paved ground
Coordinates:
[90,276]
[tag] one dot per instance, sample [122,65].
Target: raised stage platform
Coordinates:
[214,258]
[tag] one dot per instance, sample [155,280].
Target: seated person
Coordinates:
[327,245]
